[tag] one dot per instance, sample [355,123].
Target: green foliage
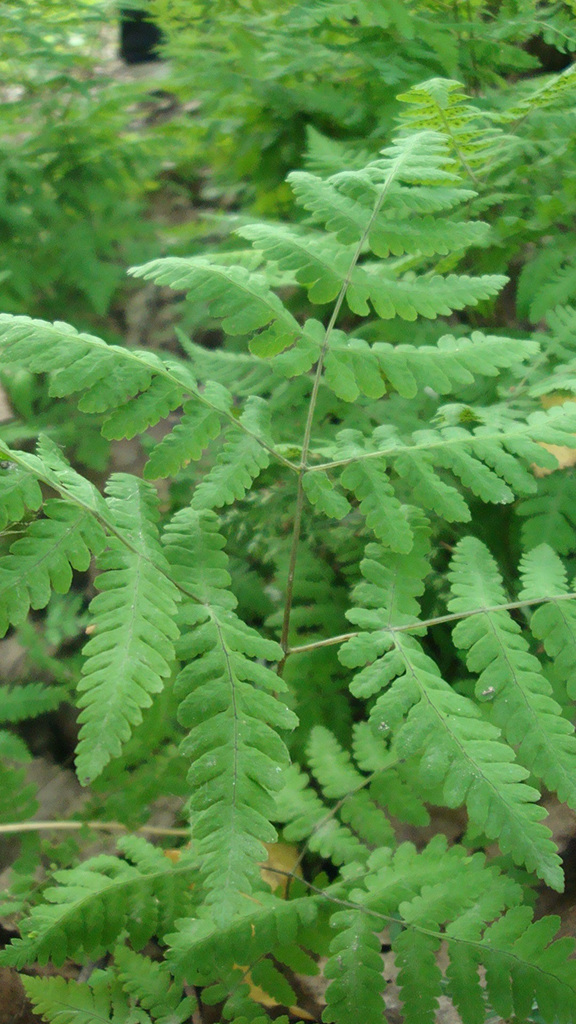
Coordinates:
[273,644]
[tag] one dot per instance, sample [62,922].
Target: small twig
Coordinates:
[104,826]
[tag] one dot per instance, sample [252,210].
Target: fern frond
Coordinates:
[509,676]
[556,89]
[241,461]
[132,650]
[71,1002]
[93,904]
[456,748]
[355,972]
[229,708]
[29,700]
[492,460]
[108,375]
[240,298]
[43,559]
[19,490]
[554,623]
[150,984]
[441,104]
[322,266]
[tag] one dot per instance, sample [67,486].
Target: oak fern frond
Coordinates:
[457,749]
[131,651]
[510,677]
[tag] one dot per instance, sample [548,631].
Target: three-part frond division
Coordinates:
[340,445]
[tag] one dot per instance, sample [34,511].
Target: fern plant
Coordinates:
[329,450]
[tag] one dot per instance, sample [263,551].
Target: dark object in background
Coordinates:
[552,60]
[139,38]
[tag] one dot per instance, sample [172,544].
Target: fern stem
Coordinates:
[310,417]
[103,826]
[438,621]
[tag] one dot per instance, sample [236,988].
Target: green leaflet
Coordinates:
[132,650]
[241,461]
[135,416]
[554,623]
[71,1002]
[354,971]
[43,559]
[188,440]
[321,492]
[27,700]
[384,513]
[19,490]
[240,297]
[510,677]
[231,712]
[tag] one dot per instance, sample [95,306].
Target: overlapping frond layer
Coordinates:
[131,651]
[457,749]
[106,375]
[241,298]
[509,676]
[141,892]
[44,558]
[554,622]
[446,895]
[229,706]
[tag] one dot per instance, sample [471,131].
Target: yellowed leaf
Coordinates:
[281,857]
